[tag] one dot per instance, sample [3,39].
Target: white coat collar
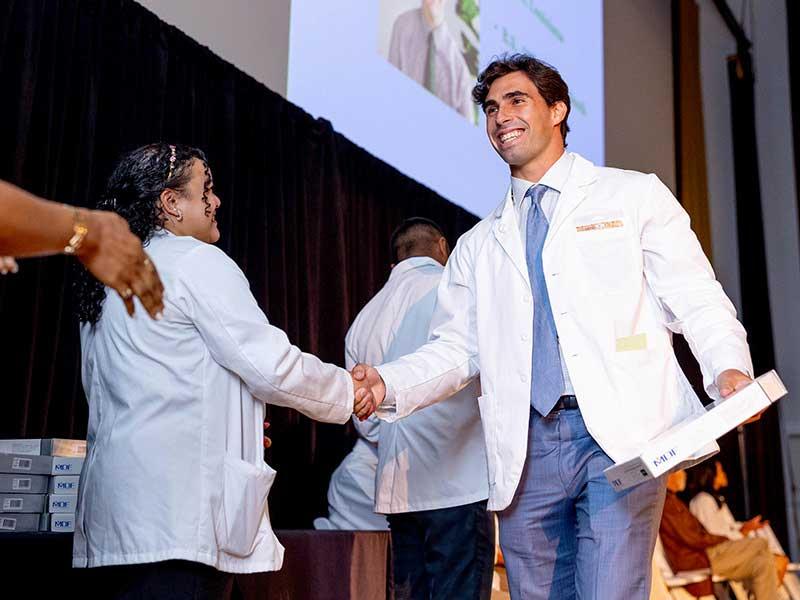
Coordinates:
[574,191]
[411,263]
[582,174]
[555,178]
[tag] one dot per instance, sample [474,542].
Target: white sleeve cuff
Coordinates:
[387,410]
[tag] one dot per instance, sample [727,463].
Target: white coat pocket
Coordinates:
[242,505]
[605,248]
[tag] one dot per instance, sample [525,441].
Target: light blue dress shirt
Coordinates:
[555,178]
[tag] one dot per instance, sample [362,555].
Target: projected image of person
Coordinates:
[424,48]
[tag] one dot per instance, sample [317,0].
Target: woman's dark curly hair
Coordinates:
[133,191]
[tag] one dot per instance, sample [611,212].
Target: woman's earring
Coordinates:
[180,216]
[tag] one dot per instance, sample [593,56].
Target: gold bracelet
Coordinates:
[79,231]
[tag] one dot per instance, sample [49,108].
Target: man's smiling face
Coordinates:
[519,123]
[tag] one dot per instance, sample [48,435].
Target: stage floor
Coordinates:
[334,565]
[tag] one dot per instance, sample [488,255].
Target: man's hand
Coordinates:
[363,401]
[115,256]
[8,265]
[730,381]
[368,378]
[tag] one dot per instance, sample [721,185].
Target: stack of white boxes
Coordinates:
[39,483]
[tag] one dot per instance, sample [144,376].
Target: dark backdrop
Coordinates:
[761,440]
[305,212]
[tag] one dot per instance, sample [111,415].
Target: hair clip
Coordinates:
[172,159]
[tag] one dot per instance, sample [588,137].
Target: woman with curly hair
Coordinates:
[173,494]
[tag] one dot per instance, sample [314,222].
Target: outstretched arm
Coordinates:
[102,241]
[216,296]
[445,364]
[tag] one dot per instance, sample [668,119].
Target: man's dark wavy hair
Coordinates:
[545,77]
[132,192]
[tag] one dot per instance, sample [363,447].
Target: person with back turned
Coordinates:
[431,481]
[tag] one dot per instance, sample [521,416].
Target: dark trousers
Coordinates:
[170,579]
[445,554]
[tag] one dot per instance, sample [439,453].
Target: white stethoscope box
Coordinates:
[694,439]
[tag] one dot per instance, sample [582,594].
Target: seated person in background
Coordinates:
[703,487]
[173,493]
[688,546]
[351,492]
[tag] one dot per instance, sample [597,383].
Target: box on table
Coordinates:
[22,503]
[40,465]
[61,503]
[27,484]
[680,445]
[64,484]
[44,447]
[19,522]
[55,522]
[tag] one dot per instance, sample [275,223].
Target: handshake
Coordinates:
[368,390]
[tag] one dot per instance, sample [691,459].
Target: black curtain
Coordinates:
[764,463]
[306,213]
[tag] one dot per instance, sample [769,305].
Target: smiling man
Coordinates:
[563,300]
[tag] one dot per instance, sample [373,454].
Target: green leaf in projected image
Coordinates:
[470,54]
[468,10]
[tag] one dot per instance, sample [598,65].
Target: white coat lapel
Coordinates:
[575,191]
[506,232]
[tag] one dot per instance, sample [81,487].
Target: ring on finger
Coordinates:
[127,293]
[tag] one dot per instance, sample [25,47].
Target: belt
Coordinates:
[566,403]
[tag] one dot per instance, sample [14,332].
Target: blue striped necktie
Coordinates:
[547,380]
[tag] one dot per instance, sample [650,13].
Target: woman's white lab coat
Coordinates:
[175,465]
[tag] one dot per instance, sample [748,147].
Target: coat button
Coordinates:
[525,337]
[526,298]
[502,228]
[523,378]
